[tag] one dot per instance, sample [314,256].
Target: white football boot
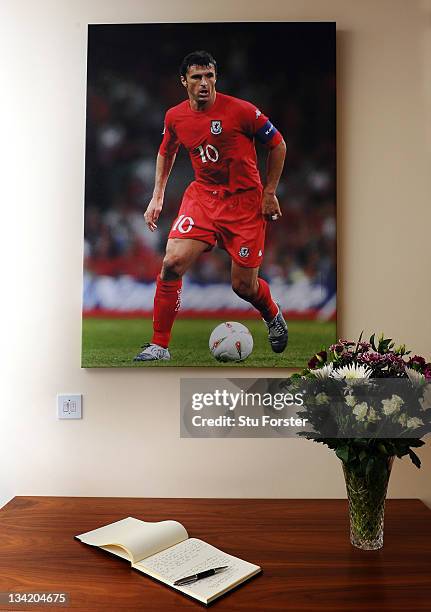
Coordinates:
[152,352]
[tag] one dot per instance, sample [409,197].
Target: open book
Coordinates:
[165,552]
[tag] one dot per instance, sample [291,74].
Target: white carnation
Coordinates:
[350,401]
[322,398]
[360,410]
[390,406]
[402,419]
[373,417]
[414,423]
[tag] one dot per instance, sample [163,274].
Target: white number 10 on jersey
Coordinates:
[209,152]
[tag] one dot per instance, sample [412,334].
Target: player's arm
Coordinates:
[274,167]
[260,127]
[165,160]
[163,169]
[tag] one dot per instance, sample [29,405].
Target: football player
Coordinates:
[225,204]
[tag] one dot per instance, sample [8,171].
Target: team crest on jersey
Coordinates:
[244,252]
[216,127]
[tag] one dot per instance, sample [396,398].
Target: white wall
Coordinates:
[128,442]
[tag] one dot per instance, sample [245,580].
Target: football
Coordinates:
[231,341]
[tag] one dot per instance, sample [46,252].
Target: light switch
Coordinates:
[69,406]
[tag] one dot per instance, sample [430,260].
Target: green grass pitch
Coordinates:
[112,343]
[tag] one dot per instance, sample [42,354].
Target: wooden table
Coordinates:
[302,546]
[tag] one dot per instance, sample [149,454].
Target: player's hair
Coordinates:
[197,58]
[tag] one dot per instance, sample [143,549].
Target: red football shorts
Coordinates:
[234,222]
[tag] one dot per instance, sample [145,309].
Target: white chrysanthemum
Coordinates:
[352,372]
[390,406]
[414,423]
[324,372]
[360,410]
[416,378]
[322,398]
[425,400]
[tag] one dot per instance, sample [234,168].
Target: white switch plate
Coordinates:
[69,406]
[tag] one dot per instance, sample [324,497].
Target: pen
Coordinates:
[199,576]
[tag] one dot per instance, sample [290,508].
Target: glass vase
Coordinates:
[367,495]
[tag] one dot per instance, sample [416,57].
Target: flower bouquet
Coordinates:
[370,402]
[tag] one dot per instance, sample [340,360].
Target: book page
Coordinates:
[133,539]
[192,556]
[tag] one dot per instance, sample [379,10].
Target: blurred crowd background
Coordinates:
[287,70]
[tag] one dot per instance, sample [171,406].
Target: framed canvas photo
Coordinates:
[210,194]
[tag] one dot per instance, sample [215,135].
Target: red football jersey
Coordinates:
[220,141]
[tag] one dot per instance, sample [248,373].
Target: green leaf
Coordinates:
[372,341]
[370,466]
[343,453]
[416,443]
[361,441]
[357,344]
[415,459]
[390,446]
[384,345]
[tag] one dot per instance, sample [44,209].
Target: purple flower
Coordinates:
[345,358]
[394,362]
[363,347]
[317,360]
[417,363]
[382,365]
[372,359]
[337,348]
[427,371]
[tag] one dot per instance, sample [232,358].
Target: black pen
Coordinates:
[199,576]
